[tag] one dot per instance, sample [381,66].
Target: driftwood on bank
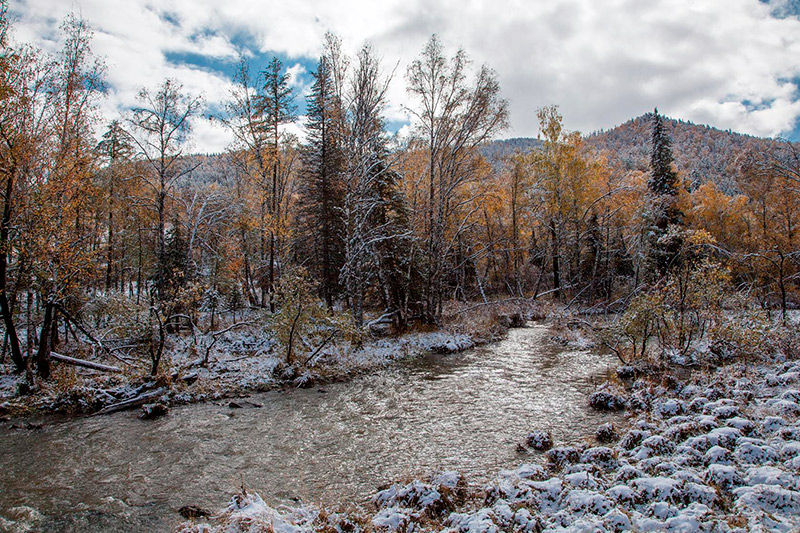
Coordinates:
[81,362]
[133,402]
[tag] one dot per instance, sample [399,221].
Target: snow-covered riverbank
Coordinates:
[327,444]
[248,357]
[241,362]
[717,452]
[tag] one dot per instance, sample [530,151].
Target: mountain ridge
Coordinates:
[701,152]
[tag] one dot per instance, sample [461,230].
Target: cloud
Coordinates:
[209,136]
[730,64]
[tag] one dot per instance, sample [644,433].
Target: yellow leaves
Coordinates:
[565,179]
[550,127]
[700,237]
[721,215]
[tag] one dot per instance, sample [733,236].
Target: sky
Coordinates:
[732,64]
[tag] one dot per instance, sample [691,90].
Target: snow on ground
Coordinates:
[244,362]
[382,352]
[719,453]
[8,382]
[240,361]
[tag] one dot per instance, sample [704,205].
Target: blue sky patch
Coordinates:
[227,68]
[784,8]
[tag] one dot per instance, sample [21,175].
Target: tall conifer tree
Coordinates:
[277,107]
[664,217]
[322,188]
[663,178]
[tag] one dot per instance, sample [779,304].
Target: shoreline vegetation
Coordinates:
[712,440]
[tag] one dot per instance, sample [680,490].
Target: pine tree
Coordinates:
[116,147]
[276,105]
[322,187]
[663,218]
[663,178]
[173,265]
[395,270]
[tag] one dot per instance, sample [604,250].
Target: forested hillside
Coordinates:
[702,153]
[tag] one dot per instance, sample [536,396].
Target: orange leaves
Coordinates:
[724,217]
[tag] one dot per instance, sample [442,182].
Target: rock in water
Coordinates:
[606,433]
[193,511]
[513,320]
[244,403]
[604,400]
[517,320]
[153,410]
[540,440]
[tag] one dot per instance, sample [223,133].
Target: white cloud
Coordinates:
[722,63]
[404,132]
[296,129]
[297,81]
[209,136]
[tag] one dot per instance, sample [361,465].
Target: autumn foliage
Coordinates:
[103,221]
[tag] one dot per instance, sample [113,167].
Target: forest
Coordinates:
[354,225]
[137,273]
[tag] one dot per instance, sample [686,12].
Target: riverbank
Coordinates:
[718,450]
[246,360]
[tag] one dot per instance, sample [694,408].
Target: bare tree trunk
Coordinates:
[110,257]
[139,272]
[5,308]
[157,352]
[429,287]
[86,364]
[263,255]
[45,345]
[515,236]
[782,286]
[555,260]
[275,218]
[290,344]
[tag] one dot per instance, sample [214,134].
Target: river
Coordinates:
[329,445]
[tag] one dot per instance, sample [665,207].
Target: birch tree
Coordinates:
[452,117]
[367,169]
[160,129]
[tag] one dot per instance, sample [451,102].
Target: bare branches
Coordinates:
[452,119]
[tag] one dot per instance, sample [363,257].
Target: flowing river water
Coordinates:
[329,446]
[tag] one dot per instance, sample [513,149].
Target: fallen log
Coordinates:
[81,362]
[131,403]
